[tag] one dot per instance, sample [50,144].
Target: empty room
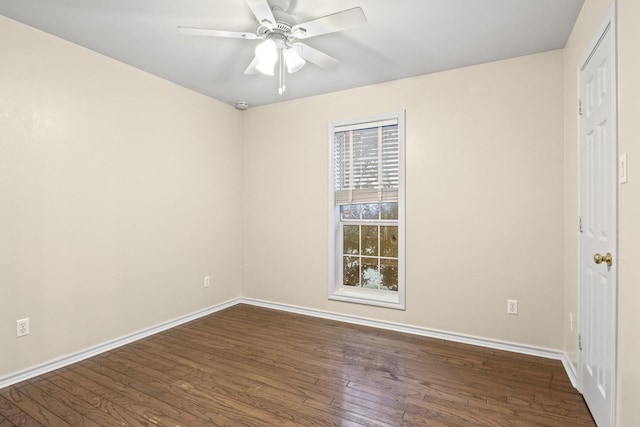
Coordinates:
[302,213]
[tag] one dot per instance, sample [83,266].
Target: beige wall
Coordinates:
[629,215]
[484,198]
[119,191]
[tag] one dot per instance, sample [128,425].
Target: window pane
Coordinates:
[351,239]
[389,241]
[389,210]
[350,211]
[370,240]
[371,211]
[389,274]
[370,273]
[350,271]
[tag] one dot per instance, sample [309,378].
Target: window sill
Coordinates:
[387,299]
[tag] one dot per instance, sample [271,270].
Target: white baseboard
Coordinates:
[571,371]
[110,345]
[426,332]
[398,327]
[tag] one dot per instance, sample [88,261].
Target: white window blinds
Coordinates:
[366,162]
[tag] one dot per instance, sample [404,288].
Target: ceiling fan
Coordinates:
[280,37]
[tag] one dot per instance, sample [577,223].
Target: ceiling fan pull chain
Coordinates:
[280,71]
[282,89]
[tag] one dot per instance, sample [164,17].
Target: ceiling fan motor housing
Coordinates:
[281,31]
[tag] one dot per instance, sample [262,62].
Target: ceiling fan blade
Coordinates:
[251,69]
[217,33]
[262,12]
[316,57]
[329,24]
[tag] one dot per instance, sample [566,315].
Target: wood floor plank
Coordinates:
[50,401]
[48,384]
[125,398]
[246,370]
[101,403]
[191,412]
[264,406]
[223,400]
[244,378]
[251,366]
[38,412]
[15,415]
[123,385]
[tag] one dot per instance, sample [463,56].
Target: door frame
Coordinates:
[608,24]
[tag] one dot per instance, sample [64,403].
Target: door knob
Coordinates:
[608,259]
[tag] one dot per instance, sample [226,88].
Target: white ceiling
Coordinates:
[402,38]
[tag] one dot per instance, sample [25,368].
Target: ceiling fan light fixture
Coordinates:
[267,51]
[293,60]
[266,67]
[267,54]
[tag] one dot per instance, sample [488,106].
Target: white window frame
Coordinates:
[338,292]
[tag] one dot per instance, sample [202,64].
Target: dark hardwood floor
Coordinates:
[250,366]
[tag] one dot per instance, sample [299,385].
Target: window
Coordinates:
[366,243]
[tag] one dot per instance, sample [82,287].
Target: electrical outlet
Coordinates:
[22,327]
[207,281]
[512,306]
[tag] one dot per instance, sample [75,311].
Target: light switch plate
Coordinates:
[622,168]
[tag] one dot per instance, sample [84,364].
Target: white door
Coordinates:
[598,237]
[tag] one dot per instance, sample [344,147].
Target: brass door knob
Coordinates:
[608,259]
